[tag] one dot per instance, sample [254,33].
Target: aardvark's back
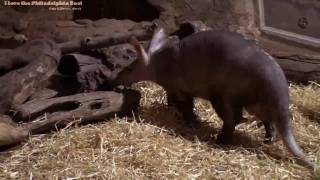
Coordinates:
[214,60]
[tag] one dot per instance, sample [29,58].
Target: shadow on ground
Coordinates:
[162,116]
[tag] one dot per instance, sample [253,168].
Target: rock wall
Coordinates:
[233,15]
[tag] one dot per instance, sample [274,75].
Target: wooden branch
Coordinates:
[300,68]
[10,132]
[19,85]
[102,41]
[80,109]
[44,93]
[89,71]
[59,112]
[20,57]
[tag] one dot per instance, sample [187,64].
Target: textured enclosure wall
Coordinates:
[234,15]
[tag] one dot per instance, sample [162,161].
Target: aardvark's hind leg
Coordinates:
[184,104]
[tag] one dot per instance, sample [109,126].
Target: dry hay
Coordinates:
[157,145]
[307,100]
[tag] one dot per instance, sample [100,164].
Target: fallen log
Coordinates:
[94,70]
[90,73]
[44,93]
[12,42]
[65,111]
[299,68]
[10,132]
[79,109]
[17,86]
[24,55]
[28,67]
[102,41]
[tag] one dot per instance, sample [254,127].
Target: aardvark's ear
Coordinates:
[159,38]
[142,55]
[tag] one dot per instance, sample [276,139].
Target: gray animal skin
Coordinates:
[224,68]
